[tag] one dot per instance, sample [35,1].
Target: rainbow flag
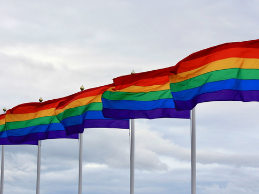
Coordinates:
[227,72]
[34,121]
[3,135]
[84,110]
[142,95]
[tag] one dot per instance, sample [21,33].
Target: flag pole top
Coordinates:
[40,100]
[4,109]
[133,72]
[82,88]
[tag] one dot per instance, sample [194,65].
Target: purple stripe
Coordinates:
[4,141]
[40,136]
[97,123]
[147,114]
[75,129]
[222,95]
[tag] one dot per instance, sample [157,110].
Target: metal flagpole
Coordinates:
[38,168]
[193,152]
[80,163]
[132,155]
[132,152]
[80,157]
[2,166]
[38,163]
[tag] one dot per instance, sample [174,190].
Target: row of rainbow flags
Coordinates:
[227,72]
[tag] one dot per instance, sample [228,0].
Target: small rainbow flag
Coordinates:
[3,135]
[34,121]
[84,110]
[141,95]
[227,72]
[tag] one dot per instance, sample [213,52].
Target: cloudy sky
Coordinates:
[49,49]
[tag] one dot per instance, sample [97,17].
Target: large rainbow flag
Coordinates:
[84,110]
[34,121]
[141,95]
[227,72]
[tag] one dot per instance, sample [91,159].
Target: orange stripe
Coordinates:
[2,121]
[137,89]
[80,102]
[229,63]
[52,111]
[86,94]
[29,116]
[208,55]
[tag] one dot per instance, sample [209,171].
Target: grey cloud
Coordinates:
[49,49]
[227,180]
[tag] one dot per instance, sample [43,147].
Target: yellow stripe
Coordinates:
[29,116]
[143,88]
[2,121]
[80,102]
[229,63]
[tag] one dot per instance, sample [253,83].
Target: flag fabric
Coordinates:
[84,110]
[34,121]
[227,72]
[3,135]
[141,95]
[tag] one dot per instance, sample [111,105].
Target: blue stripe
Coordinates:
[35,129]
[89,115]
[222,95]
[138,105]
[3,134]
[231,84]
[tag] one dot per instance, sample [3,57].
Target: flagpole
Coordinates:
[132,152]
[38,168]
[80,157]
[132,155]
[38,163]
[2,166]
[2,171]
[193,152]
[80,163]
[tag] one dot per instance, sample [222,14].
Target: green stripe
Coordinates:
[32,122]
[237,73]
[140,96]
[2,128]
[95,106]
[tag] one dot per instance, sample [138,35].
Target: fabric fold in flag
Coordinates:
[227,72]
[3,135]
[141,95]
[34,121]
[84,110]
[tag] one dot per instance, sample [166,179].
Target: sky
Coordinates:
[49,49]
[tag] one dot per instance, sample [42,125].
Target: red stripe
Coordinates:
[152,81]
[246,49]
[2,116]
[59,103]
[33,107]
[157,77]
[83,94]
